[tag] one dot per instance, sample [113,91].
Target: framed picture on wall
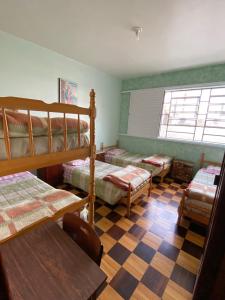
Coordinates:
[67,91]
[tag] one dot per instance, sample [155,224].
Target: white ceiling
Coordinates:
[176,33]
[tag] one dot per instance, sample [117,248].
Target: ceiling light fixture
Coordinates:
[137,31]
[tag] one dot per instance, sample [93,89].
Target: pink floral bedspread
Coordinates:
[202,186]
[25,199]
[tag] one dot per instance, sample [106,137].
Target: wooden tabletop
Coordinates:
[45,263]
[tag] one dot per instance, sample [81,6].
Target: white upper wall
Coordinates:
[28,70]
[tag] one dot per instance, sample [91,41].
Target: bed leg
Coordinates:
[128,210]
[150,186]
[129,200]
[180,209]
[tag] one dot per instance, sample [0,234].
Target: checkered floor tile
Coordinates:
[147,256]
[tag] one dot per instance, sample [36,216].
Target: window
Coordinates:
[194,115]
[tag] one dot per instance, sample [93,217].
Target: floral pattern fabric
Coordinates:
[201,191]
[128,158]
[25,199]
[107,191]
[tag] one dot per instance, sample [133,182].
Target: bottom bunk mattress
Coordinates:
[79,177]
[25,199]
[201,191]
[125,158]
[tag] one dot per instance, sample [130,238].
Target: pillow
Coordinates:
[213,169]
[78,162]
[115,151]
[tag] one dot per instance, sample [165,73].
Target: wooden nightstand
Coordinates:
[100,155]
[52,175]
[182,170]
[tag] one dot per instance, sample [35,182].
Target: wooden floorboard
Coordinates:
[147,256]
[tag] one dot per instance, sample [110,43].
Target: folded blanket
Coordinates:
[18,125]
[201,192]
[128,177]
[157,160]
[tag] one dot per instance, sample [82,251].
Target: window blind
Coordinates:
[145,112]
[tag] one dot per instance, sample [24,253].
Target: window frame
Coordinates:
[189,88]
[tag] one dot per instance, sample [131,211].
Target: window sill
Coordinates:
[213,145]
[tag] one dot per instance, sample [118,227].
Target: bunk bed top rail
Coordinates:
[16,103]
[34,160]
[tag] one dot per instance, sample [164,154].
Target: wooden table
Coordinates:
[46,264]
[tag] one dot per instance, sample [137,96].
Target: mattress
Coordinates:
[25,199]
[20,147]
[19,134]
[79,177]
[128,158]
[18,125]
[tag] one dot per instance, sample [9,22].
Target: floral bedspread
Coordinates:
[201,191]
[25,199]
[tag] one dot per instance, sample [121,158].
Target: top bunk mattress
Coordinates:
[18,125]
[25,199]
[19,134]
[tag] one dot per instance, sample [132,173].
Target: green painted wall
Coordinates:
[28,70]
[211,73]
[188,151]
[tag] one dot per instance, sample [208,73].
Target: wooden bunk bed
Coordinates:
[198,197]
[11,165]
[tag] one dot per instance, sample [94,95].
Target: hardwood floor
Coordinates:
[147,256]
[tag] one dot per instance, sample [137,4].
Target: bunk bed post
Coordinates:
[92,158]
[202,159]
[6,134]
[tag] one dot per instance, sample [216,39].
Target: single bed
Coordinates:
[29,142]
[158,165]
[198,197]
[79,177]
